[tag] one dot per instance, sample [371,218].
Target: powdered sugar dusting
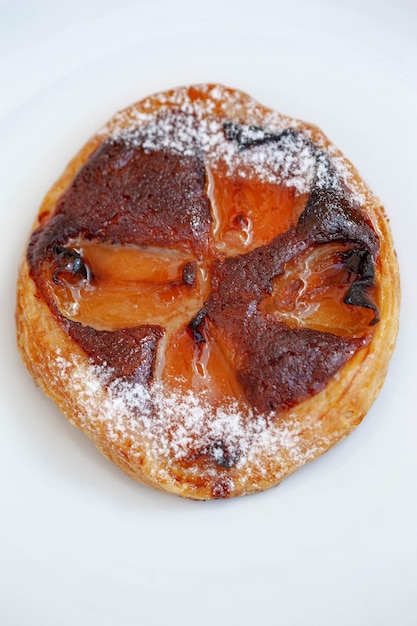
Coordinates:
[169,426]
[177,122]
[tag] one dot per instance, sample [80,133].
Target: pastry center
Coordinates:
[251,290]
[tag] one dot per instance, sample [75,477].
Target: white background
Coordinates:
[80,543]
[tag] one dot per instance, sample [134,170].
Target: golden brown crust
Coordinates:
[151,450]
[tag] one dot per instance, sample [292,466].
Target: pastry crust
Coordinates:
[182,444]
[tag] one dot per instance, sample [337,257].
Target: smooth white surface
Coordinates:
[81,544]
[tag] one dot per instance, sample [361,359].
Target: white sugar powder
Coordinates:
[171,426]
[191,127]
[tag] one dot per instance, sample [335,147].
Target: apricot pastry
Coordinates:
[210,292]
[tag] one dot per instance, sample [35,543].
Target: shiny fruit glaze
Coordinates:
[125,286]
[311,290]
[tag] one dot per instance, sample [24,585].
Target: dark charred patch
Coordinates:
[189,274]
[330,215]
[360,264]
[224,455]
[196,326]
[248,135]
[68,261]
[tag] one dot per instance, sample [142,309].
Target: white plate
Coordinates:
[335,544]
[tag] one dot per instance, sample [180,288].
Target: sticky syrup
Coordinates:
[247,212]
[204,366]
[311,291]
[127,286]
[117,286]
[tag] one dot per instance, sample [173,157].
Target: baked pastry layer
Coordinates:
[210,292]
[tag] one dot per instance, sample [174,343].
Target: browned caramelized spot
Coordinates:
[129,196]
[279,367]
[279,364]
[121,196]
[260,294]
[128,353]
